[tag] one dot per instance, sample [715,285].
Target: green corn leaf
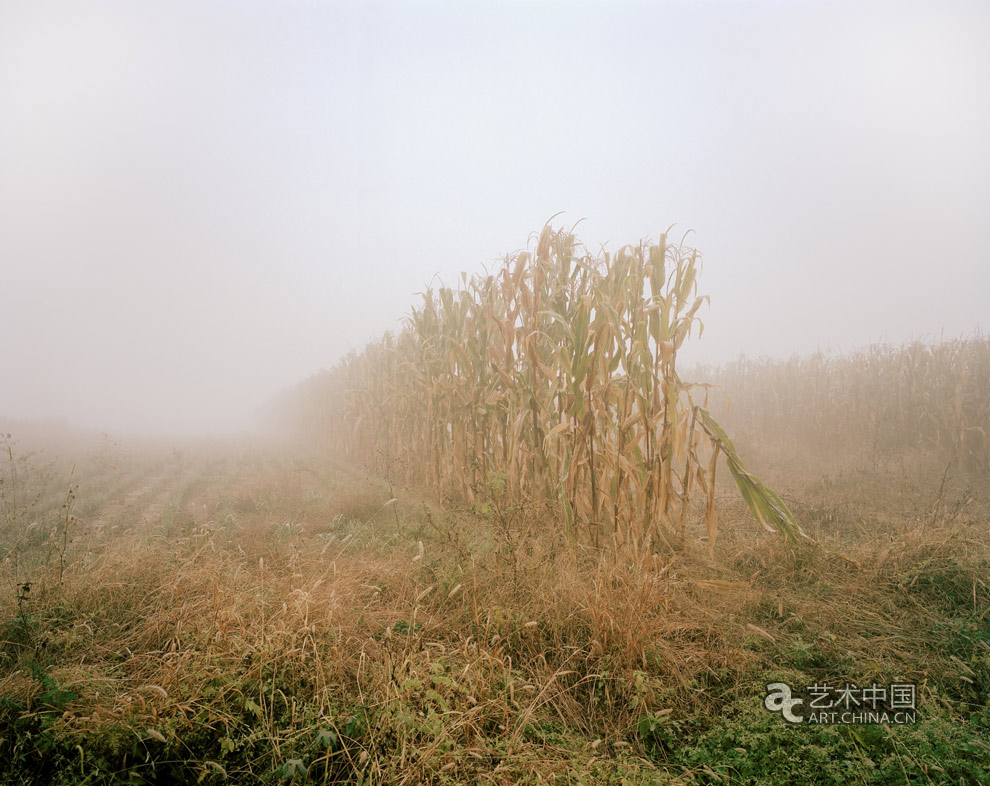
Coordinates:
[764,503]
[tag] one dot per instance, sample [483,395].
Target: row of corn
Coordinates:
[553,377]
[884,400]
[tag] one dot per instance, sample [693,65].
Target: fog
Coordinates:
[204,203]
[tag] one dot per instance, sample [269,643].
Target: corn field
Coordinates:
[553,378]
[884,401]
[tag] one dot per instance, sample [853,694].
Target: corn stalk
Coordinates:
[557,372]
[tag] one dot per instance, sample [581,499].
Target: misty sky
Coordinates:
[202,203]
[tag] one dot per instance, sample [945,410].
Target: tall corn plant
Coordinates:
[557,373]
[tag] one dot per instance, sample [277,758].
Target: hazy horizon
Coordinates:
[204,203]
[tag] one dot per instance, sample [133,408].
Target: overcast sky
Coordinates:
[202,203]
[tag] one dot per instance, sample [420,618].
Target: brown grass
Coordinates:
[454,646]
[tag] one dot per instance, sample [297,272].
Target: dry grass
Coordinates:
[275,629]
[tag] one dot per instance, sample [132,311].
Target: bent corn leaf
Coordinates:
[764,503]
